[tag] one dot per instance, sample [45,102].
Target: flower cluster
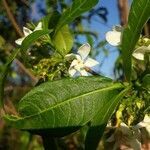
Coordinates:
[81,62]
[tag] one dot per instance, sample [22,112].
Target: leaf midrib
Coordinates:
[114,101]
[66,101]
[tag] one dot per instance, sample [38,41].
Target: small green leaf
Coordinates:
[67,103]
[146,81]
[99,122]
[78,7]
[138,16]
[63,40]
[32,38]
[45,21]
[50,20]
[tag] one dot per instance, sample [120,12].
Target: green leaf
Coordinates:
[65,103]
[78,7]
[4,74]
[53,19]
[138,16]
[63,40]
[146,81]
[45,21]
[32,38]
[50,20]
[99,122]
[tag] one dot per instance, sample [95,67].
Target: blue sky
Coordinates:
[113,19]
[101,29]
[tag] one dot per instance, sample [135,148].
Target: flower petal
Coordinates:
[70,56]
[146,39]
[38,27]
[147,119]
[77,74]
[92,64]
[145,123]
[26,31]
[139,56]
[84,72]
[72,72]
[19,41]
[84,51]
[139,52]
[74,63]
[114,37]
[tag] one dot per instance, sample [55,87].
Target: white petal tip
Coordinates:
[26,31]
[113,38]
[84,50]
[19,41]
[38,27]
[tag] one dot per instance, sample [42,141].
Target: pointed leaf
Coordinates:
[99,122]
[65,103]
[63,40]
[32,38]
[78,7]
[138,16]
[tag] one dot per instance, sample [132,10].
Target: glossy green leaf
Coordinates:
[65,103]
[4,74]
[49,21]
[99,122]
[63,40]
[138,16]
[32,38]
[78,7]
[53,19]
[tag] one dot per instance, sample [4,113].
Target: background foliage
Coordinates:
[41,58]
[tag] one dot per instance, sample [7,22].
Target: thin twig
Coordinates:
[26,71]
[123,11]
[146,30]
[11,18]
[32,77]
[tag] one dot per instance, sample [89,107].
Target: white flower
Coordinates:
[145,123]
[140,52]
[114,38]
[27,32]
[81,62]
